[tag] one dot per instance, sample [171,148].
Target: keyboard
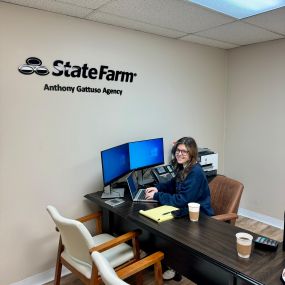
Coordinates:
[141,196]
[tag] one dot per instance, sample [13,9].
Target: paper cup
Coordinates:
[244,244]
[194,210]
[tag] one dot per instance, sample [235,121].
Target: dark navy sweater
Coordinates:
[194,188]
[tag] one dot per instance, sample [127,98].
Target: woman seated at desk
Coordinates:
[189,185]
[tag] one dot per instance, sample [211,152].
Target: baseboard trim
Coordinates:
[41,278]
[261,218]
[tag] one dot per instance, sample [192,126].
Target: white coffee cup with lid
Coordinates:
[244,244]
[194,210]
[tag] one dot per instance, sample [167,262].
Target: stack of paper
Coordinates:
[159,214]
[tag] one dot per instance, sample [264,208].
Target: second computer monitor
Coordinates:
[146,153]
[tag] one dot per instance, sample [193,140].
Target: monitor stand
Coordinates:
[141,180]
[110,192]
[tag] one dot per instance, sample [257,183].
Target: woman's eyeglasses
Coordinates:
[181,151]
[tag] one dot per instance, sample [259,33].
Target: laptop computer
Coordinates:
[138,195]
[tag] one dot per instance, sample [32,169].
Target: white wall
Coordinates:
[255,138]
[51,142]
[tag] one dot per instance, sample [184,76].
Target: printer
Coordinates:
[208,160]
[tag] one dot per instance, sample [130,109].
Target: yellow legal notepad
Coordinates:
[159,214]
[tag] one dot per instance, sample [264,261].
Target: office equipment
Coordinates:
[265,243]
[163,173]
[225,198]
[159,214]
[137,194]
[115,164]
[76,243]
[208,160]
[110,277]
[120,160]
[195,248]
[114,202]
[144,154]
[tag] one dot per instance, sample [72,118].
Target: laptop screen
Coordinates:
[133,184]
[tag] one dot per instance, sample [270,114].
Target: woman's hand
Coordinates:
[149,192]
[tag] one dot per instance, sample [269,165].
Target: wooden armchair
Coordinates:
[110,277]
[75,243]
[225,198]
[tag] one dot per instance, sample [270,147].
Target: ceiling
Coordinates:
[177,19]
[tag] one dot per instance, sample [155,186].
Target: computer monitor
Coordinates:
[146,153]
[115,164]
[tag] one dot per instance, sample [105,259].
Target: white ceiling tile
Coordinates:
[31,3]
[171,18]
[239,33]
[92,4]
[273,20]
[54,6]
[208,42]
[177,15]
[134,25]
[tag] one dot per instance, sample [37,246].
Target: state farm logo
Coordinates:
[33,65]
[74,71]
[67,69]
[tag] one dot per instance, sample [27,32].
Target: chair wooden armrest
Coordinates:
[109,276]
[140,265]
[230,217]
[89,217]
[118,240]
[97,216]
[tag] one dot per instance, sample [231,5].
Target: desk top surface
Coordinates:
[210,239]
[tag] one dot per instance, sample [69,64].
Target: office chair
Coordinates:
[76,243]
[225,198]
[110,277]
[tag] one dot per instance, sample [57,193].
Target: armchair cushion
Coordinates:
[116,256]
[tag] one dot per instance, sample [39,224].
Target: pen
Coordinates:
[166,213]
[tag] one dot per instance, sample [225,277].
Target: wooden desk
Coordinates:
[204,252]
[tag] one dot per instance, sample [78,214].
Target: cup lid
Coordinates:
[193,204]
[244,235]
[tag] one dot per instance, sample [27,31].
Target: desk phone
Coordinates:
[163,173]
[266,243]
